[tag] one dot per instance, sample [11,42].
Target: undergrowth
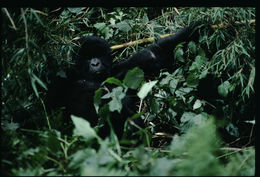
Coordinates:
[200,119]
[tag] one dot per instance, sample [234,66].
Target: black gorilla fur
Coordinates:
[94,65]
[157,56]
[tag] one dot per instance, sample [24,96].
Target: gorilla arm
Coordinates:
[158,56]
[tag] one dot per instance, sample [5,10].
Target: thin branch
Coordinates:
[162,134]
[223,25]
[140,106]
[10,18]
[40,12]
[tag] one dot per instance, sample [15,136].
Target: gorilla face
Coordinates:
[94,60]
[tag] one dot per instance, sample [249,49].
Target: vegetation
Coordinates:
[187,132]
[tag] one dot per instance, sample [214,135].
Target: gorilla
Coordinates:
[94,64]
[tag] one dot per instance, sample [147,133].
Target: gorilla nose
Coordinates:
[95,62]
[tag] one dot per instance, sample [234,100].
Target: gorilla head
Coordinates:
[94,61]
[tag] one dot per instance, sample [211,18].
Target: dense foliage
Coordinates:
[199,119]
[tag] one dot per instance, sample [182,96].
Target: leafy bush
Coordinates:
[199,119]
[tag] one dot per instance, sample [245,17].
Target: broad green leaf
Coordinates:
[99,26]
[165,80]
[134,78]
[112,80]
[154,106]
[189,119]
[77,10]
[200,60]
[203,74]
[192,47]
[224,88]
[173,85]
[192,79]
[83,128]
[187,116]
[146,88]
[104,111]
[198,144]
[197,104]
[107,95]
[52,141]
[80,156]
[123,26]
[10,125]
[183,91]
[179,55]
[201,52]
[117,95]
[97,98]
[232,130]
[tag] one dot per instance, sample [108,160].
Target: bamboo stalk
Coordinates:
[152,39]
[140,41]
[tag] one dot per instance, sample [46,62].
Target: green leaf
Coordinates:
[123,26]
[190,119]
[80,156]
[52,141]
[34,87]
[77,10]
[179,55]
[10,125]
[200,60]
[192,47]
[83,128]
[165,80]
[203,74]
[107,95]
[197,104]
[154,106]
[117,95]
[134,78]
[187,116]
[104,111]
[173,85]
[146,88]
[252,79]
[197,145]
[192,79]
[39,81]
[223,88]
[99,26]
[112,80]
[232,130]
[61,74]
[97,98]
[183,91]
[201,52]
[19,52]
